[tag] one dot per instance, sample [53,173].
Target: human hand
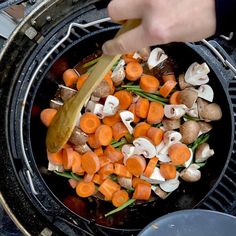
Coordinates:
[163,21]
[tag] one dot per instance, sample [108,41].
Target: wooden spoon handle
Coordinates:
[65,120]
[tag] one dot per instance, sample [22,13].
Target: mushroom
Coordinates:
[144,147]
[102,90]
[204,127]
[144,53]
[127,151]
[174,111]
[169,138]
[155,178]
[78,137]
[127,117]
[111,106]
[94,98]
[191,174]
[196,74]
[78,119]
[125,182]
[188,97]
[205,91]
[189,131]
[170,124]
[56,104]
[118,74]
[182,83]
[170,185]
[95,108]
[156,56]
[193,111]
[159,192]
[81,149]
[66,92]
[53,167]
[208,111]
[190,160]
[203,152]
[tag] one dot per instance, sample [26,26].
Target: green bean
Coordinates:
[91,63]
[64,174]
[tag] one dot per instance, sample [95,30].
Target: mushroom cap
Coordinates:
[193,111]
[174,111]
[189,130]
[55,104]
[102,90]
[171,124]
[144,146]
[127,151]
[156,56]
[127,117]
[182,82]
[144,53]
[188,97]
[203,152]
[95,108]
[191,174]
[204,127]
[81,149]
[125,182]
[159,192]
[78,137]
[170,185]
[206,92]
[155,178]
[118,73]
[66,92]
[111,106]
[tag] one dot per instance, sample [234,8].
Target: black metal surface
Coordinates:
[215,191]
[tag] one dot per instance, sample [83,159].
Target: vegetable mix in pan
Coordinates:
[143,130]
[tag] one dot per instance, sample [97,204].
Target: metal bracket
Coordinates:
[225,62]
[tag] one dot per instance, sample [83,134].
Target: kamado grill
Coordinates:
[55,36]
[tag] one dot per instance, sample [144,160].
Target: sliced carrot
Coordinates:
[167,87]
[73,183]
[76,165]
[125,99]
[174,98]
[111,120]
[97,179]
[103,135]
[128,58]
[119,130]
[113,154]
[89,122]
[55,158]
[167,77]
[98,151]
[149,83]
[90,162]
[136,165]
[132,109]
[142,107]
[80,80]
[108,187]
[110,82]
[88,177]
[66,145]
[155,134]
[150,167]
[119,198]
[142,192]
[155,113]
[106,170]
[179,153]
[70,77]
[85,189]
[93,142]
[47,115]
[103,160]
[68,158]
[168,170]
[136,181]
[141,129]
[133,71]
[122,170]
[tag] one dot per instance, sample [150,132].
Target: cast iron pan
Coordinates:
[192,222]
[188,195]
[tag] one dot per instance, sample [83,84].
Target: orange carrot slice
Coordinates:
[84,189]
[47,115]
[142,107]
[142,192]
[167,87]
[90,162]
[55,158]
[133,71]
[174,98]
[155,134]
[70,77]
[155,113]
[122,170]
[89,122]
[80,80]
[125,99]
[119,198]
[103,135]
[111,120]
[119,130]
[168,171]
[150,167]
[68,158]
[136,165]
[179,153]
[141,129]
[149,83]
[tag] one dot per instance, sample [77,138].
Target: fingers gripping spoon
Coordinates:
[64,121]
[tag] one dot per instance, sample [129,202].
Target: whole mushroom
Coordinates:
[78,137]
[102,90]
[188,97]
[191,174]
[189,131]
[171,124]
[182,82]
[144,147]
[174,111]
[203,152]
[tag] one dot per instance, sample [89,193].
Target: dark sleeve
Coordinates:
[225,16]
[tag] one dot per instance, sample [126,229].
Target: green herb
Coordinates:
[191,118]
[201,139]
[91,63]
[129,202]
[64,174]
[117,144]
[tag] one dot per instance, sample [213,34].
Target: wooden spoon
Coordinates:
[64,121]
